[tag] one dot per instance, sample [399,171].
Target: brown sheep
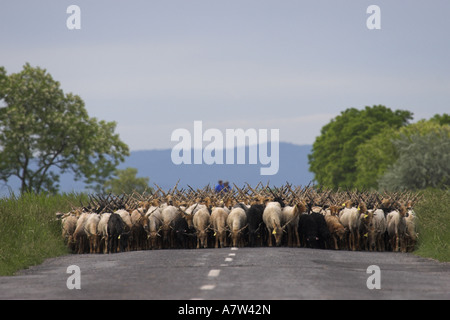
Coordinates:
[337,230]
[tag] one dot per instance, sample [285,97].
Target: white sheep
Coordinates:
[188,214]
[219,217]
[103,230]
[168,215]
[396,227]
[411,233]
[201,225]
[272,220]
[349,217]
[237,222]
[90,228]
[69,224]
[289,220]
[79,234]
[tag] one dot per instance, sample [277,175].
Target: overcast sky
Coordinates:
[155,66]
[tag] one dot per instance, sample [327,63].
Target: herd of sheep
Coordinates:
[260,216]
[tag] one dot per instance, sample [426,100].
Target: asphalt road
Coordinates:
[245,273]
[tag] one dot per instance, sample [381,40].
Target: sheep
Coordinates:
[181,232]
[256,232]
[411,234]
[308,231]
[126,218]
[289,219]
[103,230]
[272,220]
[237,222]
[139,230]
[69,224]
[168,216]
[313,230]
[189,213]
[115,230]
[79,234]
[219,217]
[335,227]
[364,220]
[377,229]
[396,227]
[90,228]
[349,218]
[201,224]
[155,223]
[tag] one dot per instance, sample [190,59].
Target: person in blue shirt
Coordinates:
[219,187]
[226,186]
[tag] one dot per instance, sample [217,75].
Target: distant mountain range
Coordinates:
[158,166]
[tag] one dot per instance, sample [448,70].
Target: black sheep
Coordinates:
[116,235]
[256,229]
[324,232]
[313,231]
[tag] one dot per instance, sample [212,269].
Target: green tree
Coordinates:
[45,132]
[424,161]
[441,119]
[333,157]
[126,182]
[374,156]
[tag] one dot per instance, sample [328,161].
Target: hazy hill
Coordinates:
[158,166]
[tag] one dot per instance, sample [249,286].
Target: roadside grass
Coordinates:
[29,232]
[433,225]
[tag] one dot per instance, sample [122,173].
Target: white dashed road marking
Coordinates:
[214,273]
[208,287]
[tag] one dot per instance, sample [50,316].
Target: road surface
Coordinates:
[230,273]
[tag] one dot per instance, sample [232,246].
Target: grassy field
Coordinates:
[29,232]
[433,214]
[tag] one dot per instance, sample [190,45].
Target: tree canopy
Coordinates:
[382,151]
[45,132]
[423,160]
[333,158]
[126,181]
